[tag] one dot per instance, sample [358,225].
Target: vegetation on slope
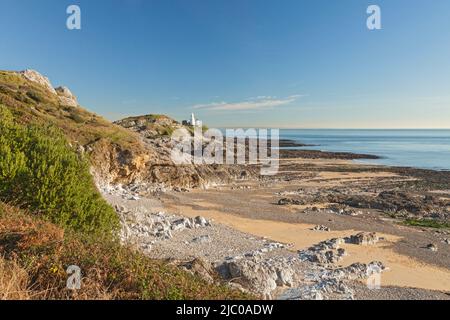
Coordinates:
[36,255]
[40,172]
[427,223]
[154,125]
[32,103]
[62,220]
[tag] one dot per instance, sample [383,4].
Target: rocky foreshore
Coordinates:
[270,268]
[258,265]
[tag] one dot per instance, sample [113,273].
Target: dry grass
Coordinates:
[109,270]
[13,281]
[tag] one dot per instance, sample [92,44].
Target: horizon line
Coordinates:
[321,128]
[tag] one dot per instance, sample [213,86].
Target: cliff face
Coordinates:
[132,150]
[155,132]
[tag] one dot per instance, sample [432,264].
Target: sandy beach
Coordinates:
[251,207]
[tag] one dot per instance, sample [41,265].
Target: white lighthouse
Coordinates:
[193,122]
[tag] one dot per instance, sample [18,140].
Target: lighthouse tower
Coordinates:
[193,120]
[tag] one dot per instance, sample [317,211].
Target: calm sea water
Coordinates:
[428,149]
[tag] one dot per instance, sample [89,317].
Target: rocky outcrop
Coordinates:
[333,283]
[147,228]
[151,126]
[330,252]
[38,78]
[403,204]
[327,279]
[66,98]
[325,252]
[155,131]
[114,164]
[321,228]
[261,277]
[200,268]
[288,201]
[363,238]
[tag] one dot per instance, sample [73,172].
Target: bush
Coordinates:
[40,172]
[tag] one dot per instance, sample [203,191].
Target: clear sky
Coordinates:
[252,63]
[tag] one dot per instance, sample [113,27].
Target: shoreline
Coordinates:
[259,224]
[312,189]
[287,145]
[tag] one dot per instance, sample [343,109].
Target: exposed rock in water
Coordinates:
[432,247]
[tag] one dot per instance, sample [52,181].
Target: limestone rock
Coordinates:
[321,228]
[285,276]
[201,268]
[66,98]
[202,239]
[288,201]
[38,78]
[201,222]
[363,238]
[261,277]
[303,293]
[181,224]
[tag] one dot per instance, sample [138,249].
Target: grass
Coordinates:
[426,223]
[35,255]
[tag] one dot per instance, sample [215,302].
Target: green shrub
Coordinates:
[35,96]
[40,172]
[427,223]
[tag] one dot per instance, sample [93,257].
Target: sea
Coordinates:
[427,149]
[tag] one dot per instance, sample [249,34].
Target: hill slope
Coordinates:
[135,149]
[34,101]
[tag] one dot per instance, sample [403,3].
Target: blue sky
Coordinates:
[251,63]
